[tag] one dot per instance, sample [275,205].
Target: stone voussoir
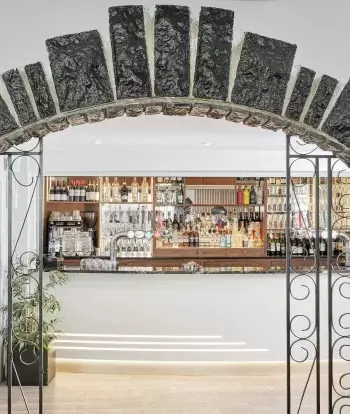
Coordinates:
[58,124]
[96,115]
[77,119]
[200,109]
[256,119]
[134,110]
[177,109]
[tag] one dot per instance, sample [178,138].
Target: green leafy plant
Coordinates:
[26,296]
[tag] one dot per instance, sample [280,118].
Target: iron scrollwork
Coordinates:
[339,301]
[24,275]
[302,285]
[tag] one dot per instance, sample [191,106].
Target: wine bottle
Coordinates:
[239,195]
[82,191]
[134,190]
[124,193]
[58,192]
[252,195]
[52,192]
[97,192]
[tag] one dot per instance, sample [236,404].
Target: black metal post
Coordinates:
[9,286]
[41,254]
[317,284]
[329,284]
[288,178]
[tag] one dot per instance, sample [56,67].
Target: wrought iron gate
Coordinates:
[325,379]
[303,287]
[25,267]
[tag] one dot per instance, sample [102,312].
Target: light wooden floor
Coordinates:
[104,394]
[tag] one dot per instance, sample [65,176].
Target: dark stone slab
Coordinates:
[19,97]
[7,121]
[320,101]
[263,73]
[172,51]
[40,89]
[79,70]
[211,78]
[337,124]
[129,51]
[300,93]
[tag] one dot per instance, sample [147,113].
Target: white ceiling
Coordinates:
[160,144]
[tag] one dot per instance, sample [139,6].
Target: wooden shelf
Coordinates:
[203,252]
[209,205]
[124,204]
[72,202]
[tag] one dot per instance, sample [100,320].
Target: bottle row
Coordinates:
[76,191]
[209,230]
[118,193]
[302,246]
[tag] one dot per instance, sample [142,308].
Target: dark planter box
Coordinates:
[29,374]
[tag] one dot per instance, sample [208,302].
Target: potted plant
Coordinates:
[25,294]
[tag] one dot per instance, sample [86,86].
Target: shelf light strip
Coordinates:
[78,341]
[222,350]
[92,335]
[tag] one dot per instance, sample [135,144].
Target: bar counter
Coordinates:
[157,317]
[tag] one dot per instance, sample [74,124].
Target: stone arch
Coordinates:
[158,78]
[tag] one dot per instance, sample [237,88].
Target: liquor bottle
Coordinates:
[144,190]
[273,246]
[259,194]
[87,192]
[323,246]
[269,253]
[246,196]
[134,190]
[64,192]
[179,196]
[168,196]
[294,246]
[82,191]
[106,196]
[71,192]
[52,192]
[57,195]
[124,193]
[116,190]
[278,245]
[311,251]
[300,247]
[129,195]
[283,246]
[252,195]
[76,191]
[149,196]
[246,220]
[97,191]
[92,191]
[239,195]
[240,221]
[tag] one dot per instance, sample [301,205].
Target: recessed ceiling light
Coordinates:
[97,142]
[207,144]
